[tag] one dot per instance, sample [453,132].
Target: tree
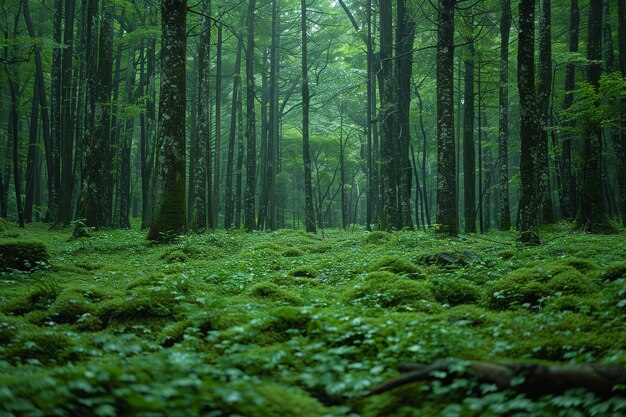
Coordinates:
[249,198]
[308,189]
[469,152]
[592,211]
[446,164]
[504,217]
[544,88]
[529,122]
[171,216]
[568,193]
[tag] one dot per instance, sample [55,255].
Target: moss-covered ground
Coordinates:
[291,324]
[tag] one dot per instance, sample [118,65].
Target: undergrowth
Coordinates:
[293,324]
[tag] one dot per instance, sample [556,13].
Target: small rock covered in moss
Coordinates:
[22,255]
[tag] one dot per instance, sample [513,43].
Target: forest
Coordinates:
[313,208]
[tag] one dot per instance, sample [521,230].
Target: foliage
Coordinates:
[116,326]
[23,255]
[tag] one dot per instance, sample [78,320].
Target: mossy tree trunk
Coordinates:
[446,165]
[171,216]
[504,215]
[199,152]
[529,122]
[544,88]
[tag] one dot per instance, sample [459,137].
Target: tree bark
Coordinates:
[529,123]
[446,164]
[544,88]
[249,199]
[592,210]
[568,194]
[308,189]
[228,194]
[504,215]
[171,216]
[218,129]
[469,151]
[621,166]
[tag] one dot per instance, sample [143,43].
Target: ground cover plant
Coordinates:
[287,323]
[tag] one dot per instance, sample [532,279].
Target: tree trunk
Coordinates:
[55,109]
[446,164]
[230,198]
[404,64]
[308,189]
[529,122]
[202,138]
[94,209]
[568,194]
[239,170]
[249,199]
[592,210]
[64,213]
[469,152]
[127,140]
[218,128]
[504,215]
[388,141]
[171,216]
[31,158]
[621,166]
[14,133]
[544,87]
[370,166]
[274,117]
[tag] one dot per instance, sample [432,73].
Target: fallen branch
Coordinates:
[526,377]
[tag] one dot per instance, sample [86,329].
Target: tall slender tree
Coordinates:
[504,215]
[446,165]
[249,199]
[306,152]
[171,216]
[544,90]
[592,210]
[469,151]
[529,122]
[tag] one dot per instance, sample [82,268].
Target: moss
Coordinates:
[170,220]
[531,286]
[41,297]
[69,306]
[454,291]
[304,272]
[396,265]
[139,305]
[45,346]
[375,237]
[3,225]
[471,314]
[271,292]
[23,255]
[615,271]
[173,256]
[292,252]
[389,290]
[581,265]
[278,400]
[8,329]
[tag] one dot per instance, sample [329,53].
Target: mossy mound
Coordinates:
[139,305]
[268,291]
[375,237]
[615,271]
[396,265]
[529,287]
[454,291]
[304,272]
[23,255]
[385,289]
[44,346]
[39,298]
[174,256]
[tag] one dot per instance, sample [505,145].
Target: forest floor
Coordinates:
[293,324]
